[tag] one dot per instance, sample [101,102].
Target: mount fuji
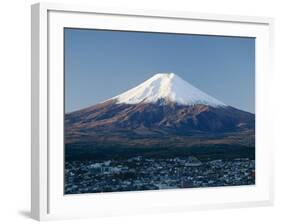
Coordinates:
[164,111]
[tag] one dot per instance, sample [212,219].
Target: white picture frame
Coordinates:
[47,198]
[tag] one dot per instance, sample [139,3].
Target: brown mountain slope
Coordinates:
[155,124]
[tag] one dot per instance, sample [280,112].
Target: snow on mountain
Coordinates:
[167,86]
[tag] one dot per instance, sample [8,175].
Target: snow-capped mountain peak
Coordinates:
[167,86]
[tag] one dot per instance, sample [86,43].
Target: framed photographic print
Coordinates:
[148,111]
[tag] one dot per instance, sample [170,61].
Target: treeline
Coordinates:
[204,153]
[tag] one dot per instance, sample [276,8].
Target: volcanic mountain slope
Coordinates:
[163,111]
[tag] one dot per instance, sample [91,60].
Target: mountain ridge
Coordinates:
[160,121]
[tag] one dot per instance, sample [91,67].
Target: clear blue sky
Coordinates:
[101,64]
